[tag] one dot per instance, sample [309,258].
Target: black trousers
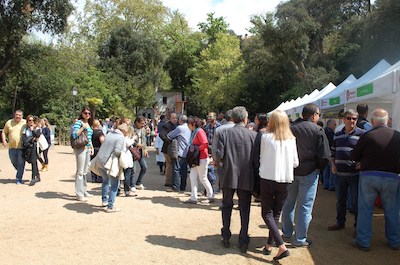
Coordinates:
[273,196]
[244,208]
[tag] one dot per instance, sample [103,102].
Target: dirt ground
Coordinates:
[44,224]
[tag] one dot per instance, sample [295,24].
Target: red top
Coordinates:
[200,139]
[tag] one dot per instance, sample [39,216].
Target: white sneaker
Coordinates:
[104,204]
[88,195]
[140,187]
[133,189]
[81,199]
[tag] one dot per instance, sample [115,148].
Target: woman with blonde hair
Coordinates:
[46,131]
[277,158]
[97,140]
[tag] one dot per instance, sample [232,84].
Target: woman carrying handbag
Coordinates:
[82,155]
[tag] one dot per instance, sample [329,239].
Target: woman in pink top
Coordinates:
[199,138]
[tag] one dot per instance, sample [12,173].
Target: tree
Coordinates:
[133,62]
[213,27]
[217,77]
[182,48]
[18,17]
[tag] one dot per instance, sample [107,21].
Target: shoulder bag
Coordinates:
[81,141]
[136,154]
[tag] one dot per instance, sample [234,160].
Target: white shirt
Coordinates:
[277,158]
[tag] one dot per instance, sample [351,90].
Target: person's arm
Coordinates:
[356,153]
[174,133]
[101,138]
[119,146]
[36,132]
[219,154]
[164,132]
[3,137]
[202,139]
[323,149]
[79,128]
[295,155]
[367,126]
[257,151]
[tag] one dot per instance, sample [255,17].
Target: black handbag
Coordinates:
[81,141]
[193,156]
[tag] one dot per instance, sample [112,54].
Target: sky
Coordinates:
[236,13]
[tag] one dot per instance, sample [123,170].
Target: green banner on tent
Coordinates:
[297,115]
[334,101]
[365,90]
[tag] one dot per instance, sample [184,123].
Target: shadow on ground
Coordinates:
[82,207]
[209,244]
[176,202]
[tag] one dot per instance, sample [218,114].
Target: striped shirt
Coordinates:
[343,144]
[77,126]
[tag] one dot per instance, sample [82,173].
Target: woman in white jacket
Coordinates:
[278,157]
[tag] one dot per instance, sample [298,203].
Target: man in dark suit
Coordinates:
[234,151]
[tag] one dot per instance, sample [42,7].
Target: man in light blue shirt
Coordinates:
[182,134]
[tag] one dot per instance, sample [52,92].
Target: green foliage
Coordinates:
[18,17]
[213,27]
[218,76]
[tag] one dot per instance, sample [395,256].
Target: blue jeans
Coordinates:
[17,161]
[179,174]
[328,177]
[301,193]
[82,167]
[370,185]
[143,169]
[346,185]
[110,184]
[128,175]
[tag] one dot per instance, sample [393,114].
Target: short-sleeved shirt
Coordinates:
[78,124]
[14,130]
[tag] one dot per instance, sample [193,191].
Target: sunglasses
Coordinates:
[87,113]
[351,119]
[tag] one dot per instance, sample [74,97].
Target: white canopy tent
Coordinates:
[313,98]
[381,92]
[293,110]
[337,98]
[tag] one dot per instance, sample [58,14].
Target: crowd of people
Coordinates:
[277,161]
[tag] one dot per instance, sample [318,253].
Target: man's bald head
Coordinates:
[379,117]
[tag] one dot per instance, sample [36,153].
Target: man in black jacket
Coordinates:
[165,129]
[313,151]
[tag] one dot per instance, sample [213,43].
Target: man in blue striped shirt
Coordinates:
[346,169]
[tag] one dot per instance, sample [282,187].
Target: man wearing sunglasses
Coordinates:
[13,130]
[345,168]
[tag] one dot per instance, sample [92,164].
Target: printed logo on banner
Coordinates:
[365,90]
[324,103]
[350,94]
[334,101]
